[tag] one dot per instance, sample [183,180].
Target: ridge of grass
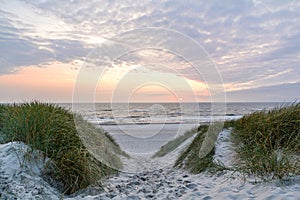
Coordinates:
[268,142]
[173,144]
[190,159]
[52,130]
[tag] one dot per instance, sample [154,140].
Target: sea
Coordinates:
[142,128]
[164,113]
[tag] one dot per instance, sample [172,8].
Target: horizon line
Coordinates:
[140,102]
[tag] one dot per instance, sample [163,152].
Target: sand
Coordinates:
[145,139]
[20,179]
[148,179]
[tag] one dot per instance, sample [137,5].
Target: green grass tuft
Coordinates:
[173,144]
[268,142]
[190,159]
[229,124]
[52,130]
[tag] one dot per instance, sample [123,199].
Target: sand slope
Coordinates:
[20,179]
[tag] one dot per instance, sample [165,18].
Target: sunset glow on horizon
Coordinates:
[55,83]
[52,83]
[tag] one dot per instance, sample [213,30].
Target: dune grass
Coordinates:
[268,142]
[2,109]
[190,159]
[52,130]
[173,144]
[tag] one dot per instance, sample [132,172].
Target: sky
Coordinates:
[53,50]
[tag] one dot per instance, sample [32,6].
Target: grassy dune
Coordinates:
[268,142]
[52,130]
[173,144]
[190,158]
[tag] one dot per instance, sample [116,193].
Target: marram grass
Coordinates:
[268,142]
[267,145]
[173,144]
[52,130]
[190,159]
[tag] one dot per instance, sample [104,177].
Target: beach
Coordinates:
[147,178]
[144,174]
[145,140]
[158,100]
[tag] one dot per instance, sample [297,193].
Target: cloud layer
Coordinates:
[254,44]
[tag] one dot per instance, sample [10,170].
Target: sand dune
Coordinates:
[144,178]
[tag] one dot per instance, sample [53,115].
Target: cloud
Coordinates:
[157,94]
[19,49]
[278,93]
[253,43]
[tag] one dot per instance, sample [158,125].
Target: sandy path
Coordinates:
[156,179]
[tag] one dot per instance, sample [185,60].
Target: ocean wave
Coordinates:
[139,110]
[136,120]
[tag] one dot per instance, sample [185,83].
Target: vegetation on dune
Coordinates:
[267,145]
[268,142]
[52,130]
[2,109]
[173,144]
[190,159]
